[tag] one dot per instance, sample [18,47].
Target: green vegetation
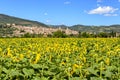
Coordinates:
[96,29]
[28,35]
[59,59]
[6,31]
[59,34]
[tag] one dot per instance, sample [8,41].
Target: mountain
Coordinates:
[5,19]
[90,29]
[23,26]
[59,26]
[96,29]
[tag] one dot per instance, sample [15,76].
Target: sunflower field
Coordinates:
[60,59]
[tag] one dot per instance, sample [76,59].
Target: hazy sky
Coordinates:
[68,12]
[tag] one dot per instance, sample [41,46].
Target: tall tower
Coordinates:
[60,29]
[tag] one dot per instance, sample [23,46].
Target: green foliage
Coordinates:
[85,35]
[6,31]
[96,29]
[102,34]
[59,34]
[59,59]
[27,35]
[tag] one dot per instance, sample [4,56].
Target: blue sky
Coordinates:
[68,12]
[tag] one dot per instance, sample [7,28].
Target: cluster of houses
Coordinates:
[20,30]
[117,34]
[40,30]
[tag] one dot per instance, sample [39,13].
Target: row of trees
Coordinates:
[101,35]
[61,34]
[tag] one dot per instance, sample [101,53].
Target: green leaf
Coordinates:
[5,70]
[36,66]
[96,78]
[110,68]
[43,78]
[28,72]
[45,67]
[48,73]
[108,74]
[14,72]
[6,78]
[76,78]
[36,78]
[91,70]
[0,69]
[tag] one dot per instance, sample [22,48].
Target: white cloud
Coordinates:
[103,10]
[99,0]
[67,2]
[110,14]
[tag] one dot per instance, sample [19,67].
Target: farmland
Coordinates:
[60,59]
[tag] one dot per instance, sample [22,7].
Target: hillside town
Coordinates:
[15,30]
[20,30]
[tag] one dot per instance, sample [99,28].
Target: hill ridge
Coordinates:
[4,19]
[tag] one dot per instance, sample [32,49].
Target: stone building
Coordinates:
[117,34]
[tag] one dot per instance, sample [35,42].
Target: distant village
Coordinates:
[39,30]
[21,30]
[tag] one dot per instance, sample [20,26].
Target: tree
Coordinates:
[113,34]
[85,35]
[80,34]
[27,35]
[59,34]
[103,34]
